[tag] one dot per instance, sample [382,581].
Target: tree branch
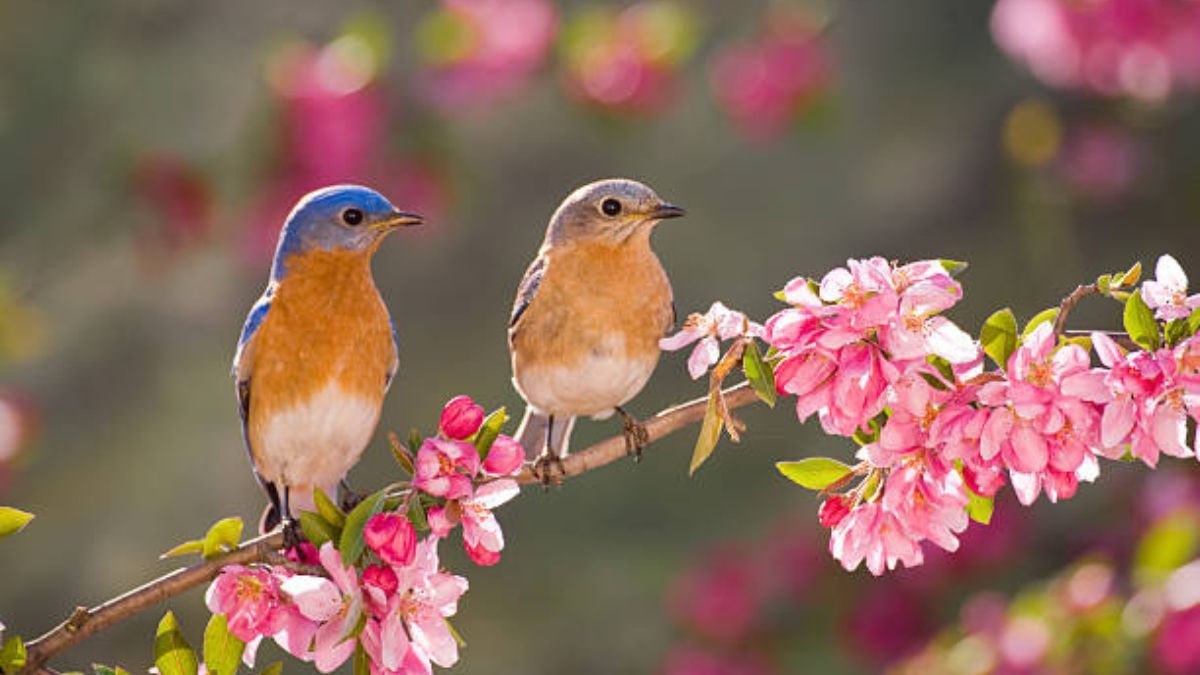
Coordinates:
[85,622]
[664,423]
[1068,304]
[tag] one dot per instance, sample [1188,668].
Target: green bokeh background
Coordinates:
[140,447]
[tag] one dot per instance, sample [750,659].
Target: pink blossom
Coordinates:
[1167,293]
[391,537]
[719,598]
[461,418]
[424,598]
[482,536]
[379,583]
[250,600]
[504,458]
[399,657]
[872,534]
[1177,643]
[930,507]
[709,329]
[445,468]
[695,660]
[335,603]
[833,510]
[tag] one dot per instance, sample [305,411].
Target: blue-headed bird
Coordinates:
[318,351]
[588,316]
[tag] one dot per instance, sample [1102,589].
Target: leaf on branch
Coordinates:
[980,508]
[490,430]
[327,509]
[172,654]
[362,664]
[101,669]
[999,336]
[223,536]
[1130,278]
[351,543]
[273,669]
[192,547]
[1140,322]
[12,655]
[316,529]
[814,473]
[1044,316]
[710,433]
[759,374]
[416,515]
[1193,322]
[13,520]
[953,267]
[403,457]
[222,649]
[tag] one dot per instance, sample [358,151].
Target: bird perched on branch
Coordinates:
[318,352]
[588,316]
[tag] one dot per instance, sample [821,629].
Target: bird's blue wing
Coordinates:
[391,372]
[243,373]
[526,291]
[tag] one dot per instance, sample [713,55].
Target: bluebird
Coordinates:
[588,315]
[318,350]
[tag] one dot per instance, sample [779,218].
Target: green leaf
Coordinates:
[327,509]
[1140,322]
[222,649]
[223,536]
[101,669]
[814,473]
[780,296]
[1044,316]
[351,543]
[416,515]
[13,520]
[462,644]
[273,669]
[414,441]
[710,433]
[172,654]
[943,367]
[1131,276]
[1172,542]
[1104,282]
[932,380]
[1176,330]
[871,487]
[999,336]
[760,375]
[362,665]
[492,424]
[316,529]
[12,655]
[1193,322]
[403,457]
[980,508]
[953,267]
[192,547]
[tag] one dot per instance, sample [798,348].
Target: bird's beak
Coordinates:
[664,210]
[399,219]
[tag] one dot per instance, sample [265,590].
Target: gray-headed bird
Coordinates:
[317,353]
[588,315]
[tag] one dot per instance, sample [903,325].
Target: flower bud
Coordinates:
[833,510]
[505,457]
[391,537]
[461,418]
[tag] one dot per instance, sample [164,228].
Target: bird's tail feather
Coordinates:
[532,433]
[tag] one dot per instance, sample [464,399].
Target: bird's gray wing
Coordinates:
[526,291]
[243,374]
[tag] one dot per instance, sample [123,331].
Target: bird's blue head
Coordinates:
[346,217]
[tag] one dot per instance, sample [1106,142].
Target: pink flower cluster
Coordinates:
[397,607]
[766,84]
[868,352]
[477,51]
[1146,49]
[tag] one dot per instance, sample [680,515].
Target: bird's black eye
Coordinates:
[610,207]
[352,216]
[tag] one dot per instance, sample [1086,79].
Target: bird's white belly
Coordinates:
[592,386]
[315,443]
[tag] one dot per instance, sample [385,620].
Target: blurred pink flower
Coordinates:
[765,85]
[1146,49]
[445,468]
[695,660]
[478,51]
[180,199]
[461,418]
[719,597]
[391,537]
[1176,645]
[886,623]
[1101,161]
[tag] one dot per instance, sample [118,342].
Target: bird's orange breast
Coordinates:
[593,292]
[326,326]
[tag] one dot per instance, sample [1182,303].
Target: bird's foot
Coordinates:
[636,436]
[548,468]
[292,536]
[350,498]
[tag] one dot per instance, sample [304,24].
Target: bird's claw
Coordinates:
[545,467]
[292,537]
[636,436]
